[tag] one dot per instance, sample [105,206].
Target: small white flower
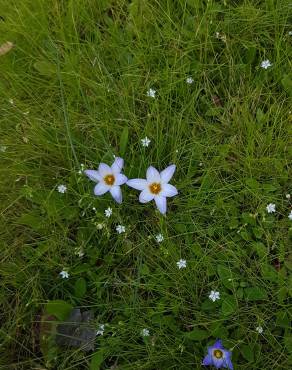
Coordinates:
[271,208]
[259,329]
[3,148]
[151,93]
[266,64]
[64,274]
[290,216]
[288,196]
[79,252]
[146,141]
[108,212]
[120,229]
[62,189]
[290,33]
[181,264]
[100,330]
[94,209]
[155,186]
[214,296]
[159,238]
[189,80]
[99,226]
[145,333]
[109,179]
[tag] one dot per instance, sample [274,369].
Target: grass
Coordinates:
[78,76]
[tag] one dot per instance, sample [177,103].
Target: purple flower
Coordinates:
[218,356]
[155,186]
[109,179]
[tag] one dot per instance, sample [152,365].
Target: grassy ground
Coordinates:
[74,90]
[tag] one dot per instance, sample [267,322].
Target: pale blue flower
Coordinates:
[155,186]
[109,179]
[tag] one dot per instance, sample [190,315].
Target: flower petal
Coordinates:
[116,193]
[145,196]
[93,175]
[152,175]
[218,363]
[101,189]
[161,203]
[168,190]
[167,174]
[218,344]
[120,179]
[227,361]
[118,165]
[207,360]
[104,169]
[139,184]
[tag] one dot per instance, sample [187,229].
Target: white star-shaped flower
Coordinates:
[145,332]
[271,208]
[159,238]
[108,212]
[64,274]
[62,189]
[100,330]
[181,264]
[259,329]
[146,141]
[151,93]
[214,296]
[155,186]
[189,80]
[120,229]
[109,179]
[266,64]
[290,216]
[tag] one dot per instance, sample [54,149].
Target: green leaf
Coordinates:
[283,320]
[97,359]
[229,305]
[247,353]
[124,141]
[260,249]
[269,272]
[287,84]
[197,334]
[33,220]
[252,183]
[226,277]
[255,294]
[80,287]
[45,68]
[59,308]
[208,305]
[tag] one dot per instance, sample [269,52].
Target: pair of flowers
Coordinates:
[155,186]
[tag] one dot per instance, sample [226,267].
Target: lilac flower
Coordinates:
[109,179]
[214,295]
[155,186]
[62,189]
[218,356]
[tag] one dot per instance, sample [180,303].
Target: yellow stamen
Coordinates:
[109,179]
[155,188]
[218,354]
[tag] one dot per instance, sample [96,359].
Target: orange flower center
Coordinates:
[109,179]
[217,353]
[155,188]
